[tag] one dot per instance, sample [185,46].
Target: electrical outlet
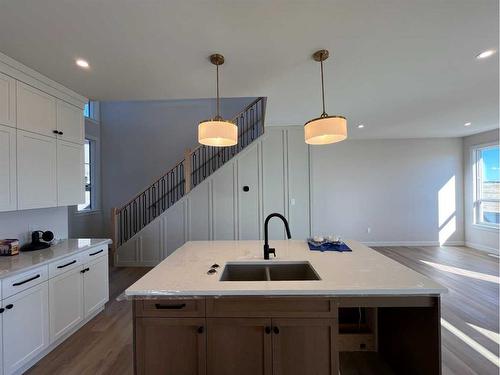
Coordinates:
[368,230]
[292,202]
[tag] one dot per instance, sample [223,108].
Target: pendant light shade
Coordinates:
[324,129]
[217,132]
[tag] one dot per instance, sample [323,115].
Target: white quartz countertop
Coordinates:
[363,271]
[10,265]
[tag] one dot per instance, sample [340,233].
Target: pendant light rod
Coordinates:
[217,59]
[321,56]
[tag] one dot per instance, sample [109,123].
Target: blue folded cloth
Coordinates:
[328,246]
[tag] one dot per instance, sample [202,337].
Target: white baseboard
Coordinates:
[401,243]
[484,248]
[412,243]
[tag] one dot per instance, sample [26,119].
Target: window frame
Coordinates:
[94,183]
[477,180]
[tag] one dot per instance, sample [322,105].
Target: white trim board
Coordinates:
[412,243]
[484,248]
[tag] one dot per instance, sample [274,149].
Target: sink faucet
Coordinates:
[268,250]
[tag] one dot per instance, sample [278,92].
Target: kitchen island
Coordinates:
[216,307]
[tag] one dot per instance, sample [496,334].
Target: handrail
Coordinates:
[182,160]
[196,166]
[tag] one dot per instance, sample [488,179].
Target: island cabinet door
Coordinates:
[170,346]
[304,346]
[239,346]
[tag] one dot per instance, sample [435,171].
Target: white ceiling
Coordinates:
[404,68]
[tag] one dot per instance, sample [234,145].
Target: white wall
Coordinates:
[475,236]
[404,190]
[20,224]
[142,140]
[408,191]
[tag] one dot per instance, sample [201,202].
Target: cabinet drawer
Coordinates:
[18,283]
[179,307]
[310,307]
[94,253]
[64,265]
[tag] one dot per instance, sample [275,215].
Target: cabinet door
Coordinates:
[248,199]
[7,100]
[36,110]
[65,302]
[95,285]
[8,192]
[70,174]
[232,342]
[223,204]
[36,171]
[25,326]
[198,204]
[70,122]
[304,346]
[170,346]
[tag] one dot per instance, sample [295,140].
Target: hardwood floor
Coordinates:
[103,345]
[470,313]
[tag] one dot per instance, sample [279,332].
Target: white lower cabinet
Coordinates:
[65,302]
[95,285]
[25,326]
[35,320]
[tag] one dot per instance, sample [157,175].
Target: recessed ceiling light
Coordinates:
[468,124]
[485,54]
[361,126]
[82,63]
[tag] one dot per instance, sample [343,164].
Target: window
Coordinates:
[91,110]
[487,186]
[89,178]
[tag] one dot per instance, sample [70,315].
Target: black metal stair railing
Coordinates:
[189,172]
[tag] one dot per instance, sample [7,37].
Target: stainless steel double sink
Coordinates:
[269,271]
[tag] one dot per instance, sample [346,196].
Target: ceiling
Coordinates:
[403,68]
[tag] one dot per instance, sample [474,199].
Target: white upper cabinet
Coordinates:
[70,122]
[70,174]
[7,100]
[8,191]
[36,110]
[36,171]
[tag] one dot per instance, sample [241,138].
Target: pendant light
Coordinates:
[217,132]
[324,129]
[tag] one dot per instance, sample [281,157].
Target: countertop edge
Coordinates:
[291,293]
[45,262]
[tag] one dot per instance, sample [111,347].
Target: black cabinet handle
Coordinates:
[26,281]
[55,132]
[276,330]
[1,310]
[61,133]
[67,264]
[201,329]
[9,306]
[268,330]
[179,306]
[97,252]
[85,270]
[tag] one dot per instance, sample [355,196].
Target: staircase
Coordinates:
[196,166]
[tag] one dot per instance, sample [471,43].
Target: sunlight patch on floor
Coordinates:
[464,272]
[472,343]
[493,336]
